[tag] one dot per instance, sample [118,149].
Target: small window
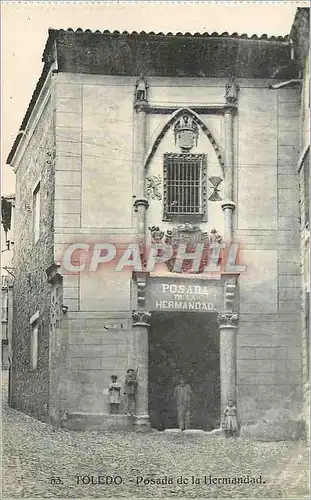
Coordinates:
[36,212]
[34,341]
[184,184]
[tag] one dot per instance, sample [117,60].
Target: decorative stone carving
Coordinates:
[232,90]
[56,312]
[215,237]
[186,132]
[230,294]
[50,156]
[156,234]
[57,308]
[215,183]
[141,90]
[28,207]
[53,276]
[186,233]
[141,318]
[153,187]
[191,235]
[204,128]
[228,319]
[141,280]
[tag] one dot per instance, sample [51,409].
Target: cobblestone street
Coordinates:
[35,453]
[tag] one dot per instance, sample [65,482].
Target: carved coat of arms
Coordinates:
[191,235]
[186,132]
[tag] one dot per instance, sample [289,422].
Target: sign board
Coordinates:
[187,295]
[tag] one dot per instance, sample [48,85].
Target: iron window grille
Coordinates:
[184,185]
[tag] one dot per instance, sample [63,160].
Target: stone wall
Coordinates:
[99,345]
[95,189]
[305,296]
[94,194]
[267,221]
[177,92]
[30,388]
[304,183]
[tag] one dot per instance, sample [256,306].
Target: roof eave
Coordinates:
[40,83]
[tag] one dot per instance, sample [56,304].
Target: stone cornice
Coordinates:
[201,109]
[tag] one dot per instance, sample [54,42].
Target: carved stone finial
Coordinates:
[141,318]
[141,91]
[232,90]
[228,319]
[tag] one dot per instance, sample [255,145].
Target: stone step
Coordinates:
[194,432]
[97,422]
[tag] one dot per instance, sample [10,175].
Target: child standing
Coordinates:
[230,422]
[114,395]
[130,389]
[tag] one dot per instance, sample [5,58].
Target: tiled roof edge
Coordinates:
[272,38]
[46,58]
[152,33]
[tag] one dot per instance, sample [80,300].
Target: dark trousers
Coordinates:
[130,404]
[183,416]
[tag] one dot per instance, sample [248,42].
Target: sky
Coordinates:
[24,30]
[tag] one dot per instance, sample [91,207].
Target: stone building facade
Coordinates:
[159,140]
[7,245]
[299,37]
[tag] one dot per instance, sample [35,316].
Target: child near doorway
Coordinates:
[230,422]
[130,389]
[114,393]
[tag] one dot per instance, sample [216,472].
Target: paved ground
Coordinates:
[35,453]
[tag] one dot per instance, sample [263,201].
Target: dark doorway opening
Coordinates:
[184,344]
